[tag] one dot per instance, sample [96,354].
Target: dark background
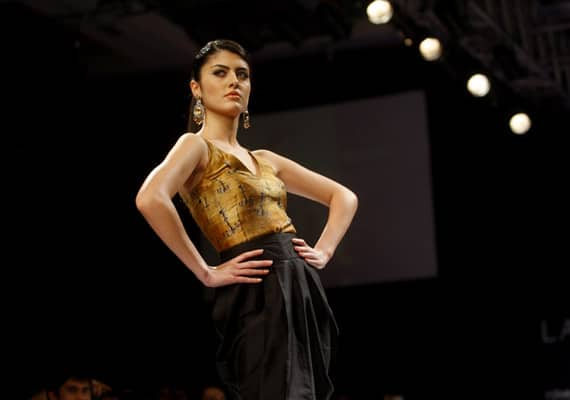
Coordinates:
[88,282]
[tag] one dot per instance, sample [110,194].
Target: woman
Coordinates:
[277,332]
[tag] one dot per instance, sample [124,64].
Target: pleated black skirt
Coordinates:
[277,338]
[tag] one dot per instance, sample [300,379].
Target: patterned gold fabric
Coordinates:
[231,205]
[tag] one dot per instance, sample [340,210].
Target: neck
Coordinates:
[222,129]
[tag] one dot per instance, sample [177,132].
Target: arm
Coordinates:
[341,201]
[154,201]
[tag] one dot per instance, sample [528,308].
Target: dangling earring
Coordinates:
[246,123]
[198,112]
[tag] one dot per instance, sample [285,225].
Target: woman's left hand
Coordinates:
[312,256]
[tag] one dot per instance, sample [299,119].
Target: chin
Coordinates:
[234,113]
[230,112]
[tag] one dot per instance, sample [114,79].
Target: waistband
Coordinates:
[277,246]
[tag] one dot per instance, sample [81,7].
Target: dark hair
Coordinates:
[214,47]
[208,50]
[58,378]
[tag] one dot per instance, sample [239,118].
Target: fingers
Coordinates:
[243,270]
[299,241]
[308,255]
[255,264]
[250,265]
[302,248]
[249,275]
[252,272]
[300,244]
[256,267]
[312,256]
[248,254]
[305,254]
[246,279]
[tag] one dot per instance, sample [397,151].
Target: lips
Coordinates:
[233,94]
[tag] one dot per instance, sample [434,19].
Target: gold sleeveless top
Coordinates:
[231,205]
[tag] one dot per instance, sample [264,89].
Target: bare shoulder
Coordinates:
[192,139]
[263,153]
[190,145]
[270,157]
[189,152]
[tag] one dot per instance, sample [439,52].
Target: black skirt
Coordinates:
[278,337]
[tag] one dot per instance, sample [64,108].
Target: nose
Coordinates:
[234,81]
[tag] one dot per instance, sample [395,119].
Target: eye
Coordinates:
[220,72]
[242,74]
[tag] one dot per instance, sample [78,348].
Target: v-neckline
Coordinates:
[254,159]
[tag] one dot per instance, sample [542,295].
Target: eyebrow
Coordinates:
[226,67]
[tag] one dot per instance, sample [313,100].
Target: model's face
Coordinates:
[224,84]
[74,390]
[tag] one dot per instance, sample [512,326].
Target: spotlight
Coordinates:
[379,11]
[430,49]
[478,85]
[520,123]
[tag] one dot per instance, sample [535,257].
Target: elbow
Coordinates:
[144,201]
[141,202]
[352,199]
[346,199]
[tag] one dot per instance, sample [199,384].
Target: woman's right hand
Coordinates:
[239,269]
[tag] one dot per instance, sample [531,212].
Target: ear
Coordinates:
[195,88]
